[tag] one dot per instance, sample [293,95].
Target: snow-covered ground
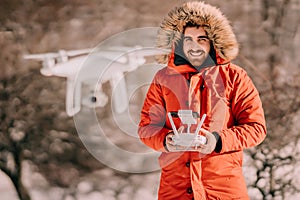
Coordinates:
[105,184]
[99,185]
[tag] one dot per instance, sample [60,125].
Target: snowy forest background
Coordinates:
[41,155]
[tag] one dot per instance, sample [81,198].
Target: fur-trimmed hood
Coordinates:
[216,25]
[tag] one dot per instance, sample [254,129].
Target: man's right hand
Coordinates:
[170,143]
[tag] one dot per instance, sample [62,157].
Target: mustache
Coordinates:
[196,51]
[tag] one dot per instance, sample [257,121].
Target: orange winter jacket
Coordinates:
[233,107]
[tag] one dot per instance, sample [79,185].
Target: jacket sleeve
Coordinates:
[249,129]
[152,130]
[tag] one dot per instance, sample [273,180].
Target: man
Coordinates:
[199,76]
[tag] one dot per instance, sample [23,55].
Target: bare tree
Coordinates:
[34,127]
[275,160]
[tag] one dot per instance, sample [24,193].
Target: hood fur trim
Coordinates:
[216,25]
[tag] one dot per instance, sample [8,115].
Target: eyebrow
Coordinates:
[203,36]
[199,37]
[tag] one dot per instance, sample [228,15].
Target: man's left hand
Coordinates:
[211,143]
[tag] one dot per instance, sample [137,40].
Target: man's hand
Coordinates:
[170,143]
[211,143]
[207,148]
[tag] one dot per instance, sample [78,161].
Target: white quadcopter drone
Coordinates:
[189,141]
[93,67]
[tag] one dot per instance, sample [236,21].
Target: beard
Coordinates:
[196,58]
[199,62]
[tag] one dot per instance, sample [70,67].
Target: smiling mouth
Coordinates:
[195,53]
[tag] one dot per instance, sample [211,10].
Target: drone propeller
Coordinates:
[121,54]
[138,50]
[60,53]
[149,51]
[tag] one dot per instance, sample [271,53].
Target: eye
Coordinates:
[203,40]
[187,39]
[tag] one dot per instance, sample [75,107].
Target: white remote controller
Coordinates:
[189,141]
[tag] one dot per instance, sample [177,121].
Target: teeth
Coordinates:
[198,53]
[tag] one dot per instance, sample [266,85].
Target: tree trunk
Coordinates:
[16,176]
[20,188]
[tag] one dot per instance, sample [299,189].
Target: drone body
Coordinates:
[93,68]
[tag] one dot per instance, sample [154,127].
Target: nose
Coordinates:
[195,46]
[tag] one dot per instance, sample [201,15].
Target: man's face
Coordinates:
[196,45]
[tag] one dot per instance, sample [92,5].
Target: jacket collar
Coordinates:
[173,69]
